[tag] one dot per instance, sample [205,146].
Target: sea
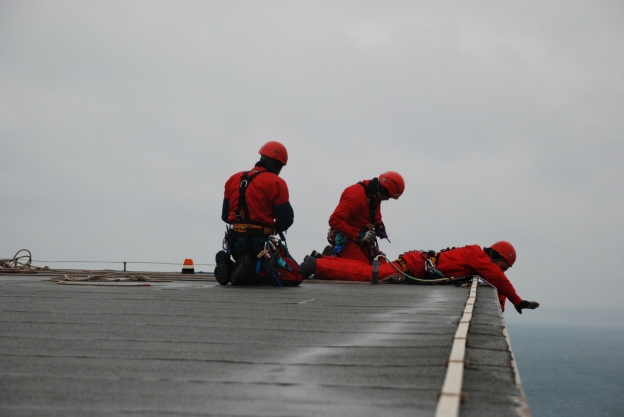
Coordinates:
[571,360]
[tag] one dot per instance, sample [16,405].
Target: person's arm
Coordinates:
[488,270]
[285,216]
[225,210]
[343,214]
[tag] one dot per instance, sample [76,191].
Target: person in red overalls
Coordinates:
[256,207]
[488,263]
[356,222]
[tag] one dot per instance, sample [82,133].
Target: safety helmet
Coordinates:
[275,150]
[393,182]
[506,251]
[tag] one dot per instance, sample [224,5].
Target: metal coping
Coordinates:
[450,396]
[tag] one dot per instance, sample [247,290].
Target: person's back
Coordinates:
[256,207]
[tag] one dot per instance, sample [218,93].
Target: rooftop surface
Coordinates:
[196,348]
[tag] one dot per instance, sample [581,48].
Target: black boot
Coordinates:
[329,251]
[223,269]
[244,271]
[307,267]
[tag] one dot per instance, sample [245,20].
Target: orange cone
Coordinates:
[188,267]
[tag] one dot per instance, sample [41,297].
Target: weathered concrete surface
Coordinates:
[200,349]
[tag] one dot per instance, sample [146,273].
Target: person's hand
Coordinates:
[366,237]
[526,304]
[380,230]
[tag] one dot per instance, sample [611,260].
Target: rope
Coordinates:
[19,264]
[411,277]
[107,280]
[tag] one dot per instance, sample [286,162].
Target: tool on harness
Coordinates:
[336,239]
[270,260]
[431,261]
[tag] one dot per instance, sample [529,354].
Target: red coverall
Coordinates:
[468,260]
[267,201]
[351,216]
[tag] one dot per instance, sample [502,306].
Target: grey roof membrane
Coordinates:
[202,349]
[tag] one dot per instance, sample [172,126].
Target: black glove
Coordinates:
[367,237]
[380,229]
[526,304]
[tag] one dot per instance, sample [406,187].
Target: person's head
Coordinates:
[391,185]
[503,254]
[273,156]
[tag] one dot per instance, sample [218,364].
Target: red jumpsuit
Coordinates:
[468,260]
[352,216]
[268,205]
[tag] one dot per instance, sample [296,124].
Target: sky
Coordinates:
[121,121]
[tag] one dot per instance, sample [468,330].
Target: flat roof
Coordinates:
[196,348]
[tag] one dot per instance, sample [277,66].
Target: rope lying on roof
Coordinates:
[20,263]
[109,279]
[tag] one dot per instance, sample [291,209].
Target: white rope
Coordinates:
[20,263]
[451,394]
[411,277]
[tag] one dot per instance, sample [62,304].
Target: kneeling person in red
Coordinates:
[488,263]
[356,222]
[256,207]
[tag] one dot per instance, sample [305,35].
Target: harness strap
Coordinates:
[402,263]
[252,229]
[242,200]
[372,203]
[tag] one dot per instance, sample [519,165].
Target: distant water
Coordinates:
[571,362]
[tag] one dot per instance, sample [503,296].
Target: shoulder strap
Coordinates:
[372,203]
[242,200]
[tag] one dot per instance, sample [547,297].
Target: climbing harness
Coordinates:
[403,268]
[252,229]
[242,208]
[431,260]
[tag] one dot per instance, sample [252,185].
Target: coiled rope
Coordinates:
[20,263]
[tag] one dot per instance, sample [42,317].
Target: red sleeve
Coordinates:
[491,273]
[501,300]
[351,214]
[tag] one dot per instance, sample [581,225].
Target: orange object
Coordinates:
[188,267]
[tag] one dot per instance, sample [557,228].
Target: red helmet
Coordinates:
[275,150]
[393,182]
[506,250]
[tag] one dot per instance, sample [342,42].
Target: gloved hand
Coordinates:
[526,304]
[368,237]
[380,229]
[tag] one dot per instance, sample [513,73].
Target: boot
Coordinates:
[308,266]
[223,269]
[329,251]
[244,271]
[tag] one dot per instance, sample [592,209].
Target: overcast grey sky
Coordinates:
[121,121]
